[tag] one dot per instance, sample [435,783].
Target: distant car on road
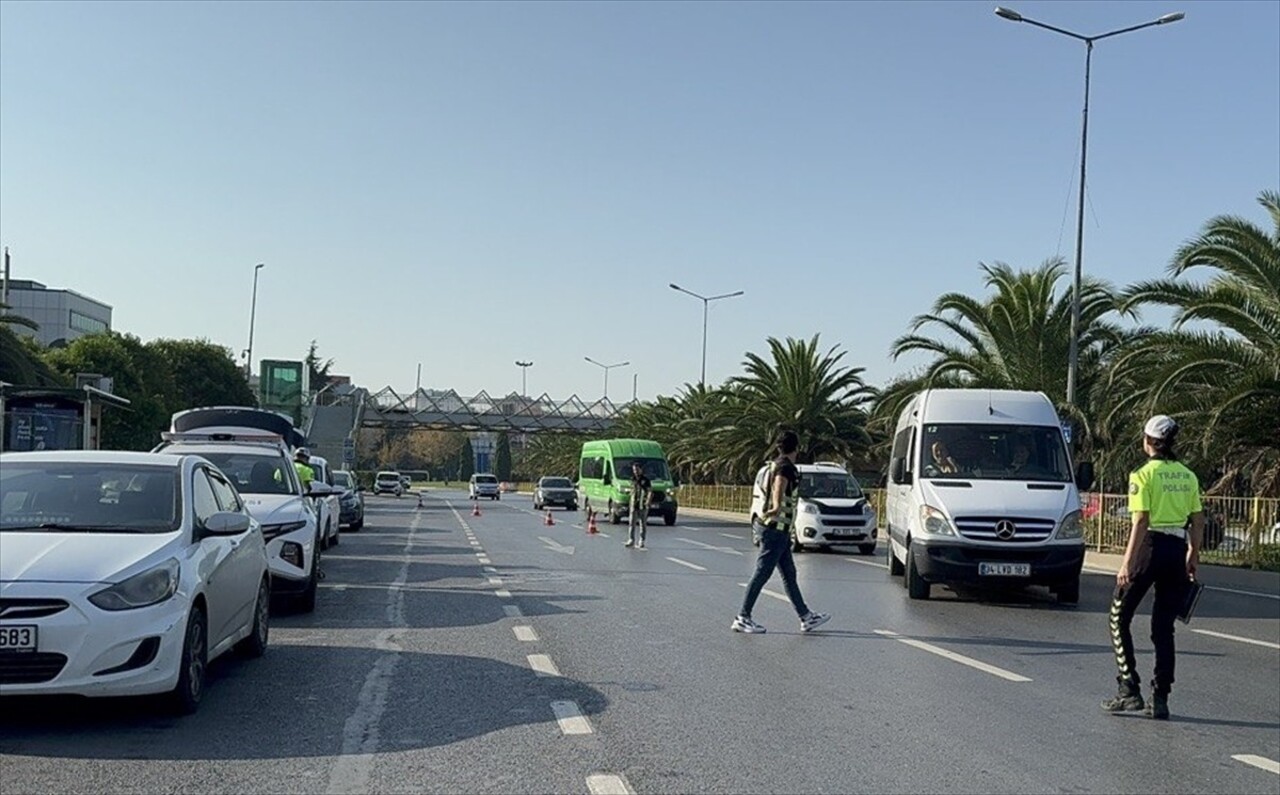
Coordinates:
[406,482]
[831,508]
[555,491]
[484,485]
[328,507]
[350,499]
[388,482]
[125,574]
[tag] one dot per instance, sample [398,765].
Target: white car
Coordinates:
[124,574]
[329,508]
[263,472]
[484,486]
[830,508]
[388,482]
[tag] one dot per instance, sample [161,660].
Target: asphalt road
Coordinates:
[454,653]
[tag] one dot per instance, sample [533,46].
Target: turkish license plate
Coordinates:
[18,638]
[1004,569]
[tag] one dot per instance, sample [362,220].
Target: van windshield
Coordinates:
[654,468]
[829,485]
[994,452]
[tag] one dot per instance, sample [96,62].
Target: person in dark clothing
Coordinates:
[638,511]
[774,530]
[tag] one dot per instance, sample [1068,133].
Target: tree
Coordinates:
[553,455]
[203,374]
[466,460]
[502,457]
[1218,367]
[317,368]
[20,362]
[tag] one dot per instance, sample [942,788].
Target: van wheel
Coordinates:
[895,565]
[917,588]
[1068,592]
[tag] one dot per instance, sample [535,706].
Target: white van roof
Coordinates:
[994,406]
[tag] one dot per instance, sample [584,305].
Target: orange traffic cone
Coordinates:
[591,523]
[475,508]
[549,521]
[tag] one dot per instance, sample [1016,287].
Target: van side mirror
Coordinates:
[898,472]
[882,481]
[1084,475]
[608,479]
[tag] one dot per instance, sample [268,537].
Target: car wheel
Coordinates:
[185,697]
[867,549]
[337,536]
[307,600]
[895,565]
[796,546]
[256,644]
[669,519]
[357,525]
[917,587]
[1068,593]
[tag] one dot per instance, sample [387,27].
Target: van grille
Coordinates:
[1026,530]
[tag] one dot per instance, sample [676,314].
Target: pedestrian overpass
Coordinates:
[336,414]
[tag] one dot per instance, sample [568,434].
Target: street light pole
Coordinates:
[706,302]
[253,313]
[524,382]
[606,368]
[1073,359]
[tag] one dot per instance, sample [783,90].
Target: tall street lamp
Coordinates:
[524,382]
[253,313]
[1014,16]
[706,302]
[606,368]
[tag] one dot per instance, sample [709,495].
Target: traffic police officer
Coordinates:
[301,459]
[1163,496]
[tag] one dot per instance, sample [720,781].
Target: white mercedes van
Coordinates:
[981,490]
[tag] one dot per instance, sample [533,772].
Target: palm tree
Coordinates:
[19,363]
[1019,338]
[1219,365]
[803,389]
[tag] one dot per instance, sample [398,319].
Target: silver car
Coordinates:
[555,491]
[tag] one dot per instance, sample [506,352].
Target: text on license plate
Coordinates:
[17,638]
[1004,569]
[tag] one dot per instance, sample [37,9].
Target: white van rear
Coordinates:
[981,490]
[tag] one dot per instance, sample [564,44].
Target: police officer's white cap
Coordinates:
[303,452]
[1160,426]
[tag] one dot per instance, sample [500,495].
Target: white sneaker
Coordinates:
[746,625]
[640,545]
[628,543]
[813,621]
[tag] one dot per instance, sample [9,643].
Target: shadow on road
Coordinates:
[294,703]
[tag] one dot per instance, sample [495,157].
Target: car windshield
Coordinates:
[654,468]
[388,476]
[486,479]
[556,483]
[112,498]
[994,452]
[829,485]
[254,473]
[343,480]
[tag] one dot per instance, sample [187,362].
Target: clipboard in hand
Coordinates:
[1190,598]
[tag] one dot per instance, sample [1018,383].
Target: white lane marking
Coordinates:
[512,611]
[608,784]
[950,655]
[502,593]
[1261,762]
[867,563]
[525,634]
[490,570]
[542,665]
[1243,593]
[350,772]
[732,535]
[693,566]
[495,581]
[1264,643]
[767,592]
[484,559]
[570,718]
[556,546]
[709,546]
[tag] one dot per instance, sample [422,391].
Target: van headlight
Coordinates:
[148,588]
[934,522]
[1072,526]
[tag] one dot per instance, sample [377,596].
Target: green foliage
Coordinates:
[466,460]
[204,374]
[317,368]
[21,363]
[502,458]
[552,455]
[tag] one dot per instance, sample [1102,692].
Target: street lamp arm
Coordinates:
[688,292]
[1063,31]
[727,295]
[1164,20]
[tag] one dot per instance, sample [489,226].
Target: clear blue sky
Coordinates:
[465,184]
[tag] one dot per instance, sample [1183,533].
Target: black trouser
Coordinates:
[775,553]
[1162,562]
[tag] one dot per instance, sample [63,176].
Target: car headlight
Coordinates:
[148,588]
[273,530]
[1072,526]
[934,522]
[808,508]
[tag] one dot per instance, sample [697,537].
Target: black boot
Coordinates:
[1127,699]
[1159,706]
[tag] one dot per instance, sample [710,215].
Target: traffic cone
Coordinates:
[475,508]
[419,499]
[591,523]
[549,521]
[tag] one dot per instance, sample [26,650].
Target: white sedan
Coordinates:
[124,574]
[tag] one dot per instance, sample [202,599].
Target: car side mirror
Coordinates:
[319,489]
[1084,475]
[898,473]
[675,480]
[225,523]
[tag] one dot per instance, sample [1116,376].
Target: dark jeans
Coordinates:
[1162,562]
[775,552]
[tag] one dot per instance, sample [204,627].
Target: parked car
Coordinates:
[125,574]
[388,482]
[350,499]
[555,491]
[831,508]
[329,507]
[484,486]
[261,468]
